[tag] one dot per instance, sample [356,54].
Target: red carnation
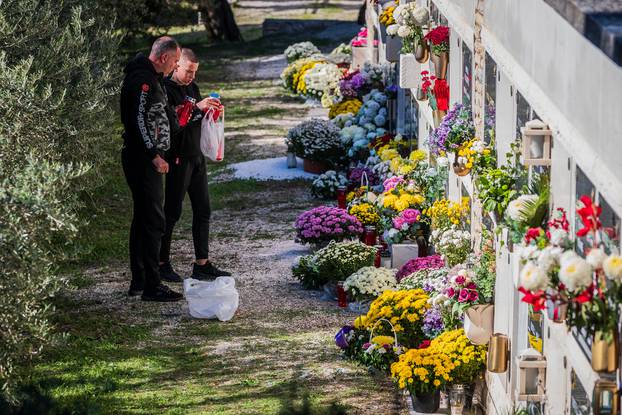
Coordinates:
[438,35]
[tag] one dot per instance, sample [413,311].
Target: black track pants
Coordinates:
[148,222]
[187,174]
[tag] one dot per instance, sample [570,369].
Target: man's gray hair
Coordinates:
[163,45]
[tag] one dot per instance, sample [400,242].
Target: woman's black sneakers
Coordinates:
[161,294]
[207,272]
[167,273]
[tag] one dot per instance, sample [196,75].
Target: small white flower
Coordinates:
[575,273]
[392,30]
[558,237]
[516,208]
[404,31]
[533,278]
[596,257]
[613,267]
[442,161]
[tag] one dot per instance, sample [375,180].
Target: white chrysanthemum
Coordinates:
[404,31]
[548,258]
[596,257]
[392,29]
[613,267]
[397,12]
[533,278]
[421,16]
[516,208]
[575,273]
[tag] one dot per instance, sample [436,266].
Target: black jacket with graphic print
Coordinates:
[186,141]
[145,113]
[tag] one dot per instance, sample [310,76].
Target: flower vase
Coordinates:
[315,167]
[440,61]
[460,169]
[421,95]
[438,117]
[422,51]
[409,69]
[392,48]
[478,323]
[498,353]
[604,353]
[557,309]
[457,399]
[426,403]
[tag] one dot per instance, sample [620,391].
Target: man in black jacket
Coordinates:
[147,119]
[188,172]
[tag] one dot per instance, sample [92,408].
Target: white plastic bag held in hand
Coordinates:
[212,299]
[213,135]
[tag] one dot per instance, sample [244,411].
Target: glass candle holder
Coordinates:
[370,236]
[341,197]
[378,257]
[342,297]
[457,398]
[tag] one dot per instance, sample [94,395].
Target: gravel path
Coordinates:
[280,332]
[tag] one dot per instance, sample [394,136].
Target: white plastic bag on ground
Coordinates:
[213,136]
[212,299]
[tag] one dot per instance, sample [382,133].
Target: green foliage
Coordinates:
[56,81]
[336,262]
[498,186]
[36,223]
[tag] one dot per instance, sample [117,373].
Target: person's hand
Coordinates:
[160,164]
[207,103]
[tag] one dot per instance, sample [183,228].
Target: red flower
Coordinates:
[438,35]
[560,223]
[537,299]
[533,234]
[589,214]
[586,296]
[424,344]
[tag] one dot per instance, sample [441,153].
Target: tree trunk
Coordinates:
[219,20]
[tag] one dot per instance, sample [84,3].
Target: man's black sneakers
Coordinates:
[167,273]
[207,272]
[161,294]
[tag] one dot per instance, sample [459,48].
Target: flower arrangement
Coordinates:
[555,274]
[335,262]
[431,280]
[409,20]
[370,122]
[292,73]
[299,79]
[404,226]
[531,209]
[370,282]
[456,128]
[360,40]
[357,173]
[444,213]
[316,139]
[404,309]
[380,352]
[386,17]
[453,244]
[322,82]
[433,323]
[300,50]
[420,263]
[323,224]
[475,155]
[498,186]
[347,106]
[366,213]
[325,185]
[449,359]
[402,196]
[439,39]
